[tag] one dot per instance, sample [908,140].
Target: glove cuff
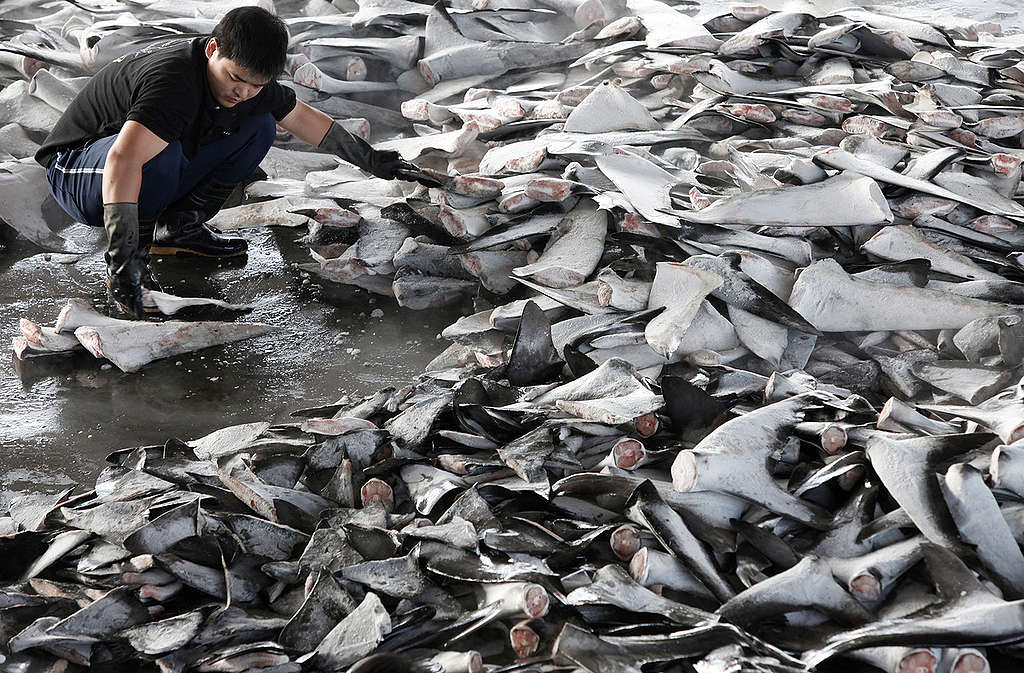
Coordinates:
[121,222]
[351,148]
[128,209]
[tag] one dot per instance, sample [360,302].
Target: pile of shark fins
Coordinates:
[591,522]
[644,136]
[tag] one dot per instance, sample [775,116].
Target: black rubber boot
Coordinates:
[182,227]
[146,279]
[186,232]
[145,241]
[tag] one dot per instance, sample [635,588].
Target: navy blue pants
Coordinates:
[76,175]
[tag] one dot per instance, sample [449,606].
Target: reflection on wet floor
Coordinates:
[57,426]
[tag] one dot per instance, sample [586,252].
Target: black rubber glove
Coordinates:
[124,265]
[389,165]
[355,150]
[424,176]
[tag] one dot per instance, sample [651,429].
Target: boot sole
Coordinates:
[187,251]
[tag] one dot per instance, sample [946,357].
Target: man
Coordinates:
[155,143]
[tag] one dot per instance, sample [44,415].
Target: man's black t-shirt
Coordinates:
[164,88]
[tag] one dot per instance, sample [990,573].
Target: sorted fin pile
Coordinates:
[552,525]
[754,399]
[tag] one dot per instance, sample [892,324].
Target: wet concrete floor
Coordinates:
[57,426]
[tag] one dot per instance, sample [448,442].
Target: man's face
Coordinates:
[230,83]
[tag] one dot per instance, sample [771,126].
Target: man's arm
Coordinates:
[122,173]
[122,180]
[306,123]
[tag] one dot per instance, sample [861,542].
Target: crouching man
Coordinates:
[155,143]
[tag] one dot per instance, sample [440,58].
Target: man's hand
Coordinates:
[386,164]
[125,284]
[424,176]
[393,167]
[124,266]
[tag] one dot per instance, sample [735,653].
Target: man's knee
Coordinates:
[160,178]
[256,136]
[166,165]
[264,131]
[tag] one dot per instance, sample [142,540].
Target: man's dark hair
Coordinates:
[253,38]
